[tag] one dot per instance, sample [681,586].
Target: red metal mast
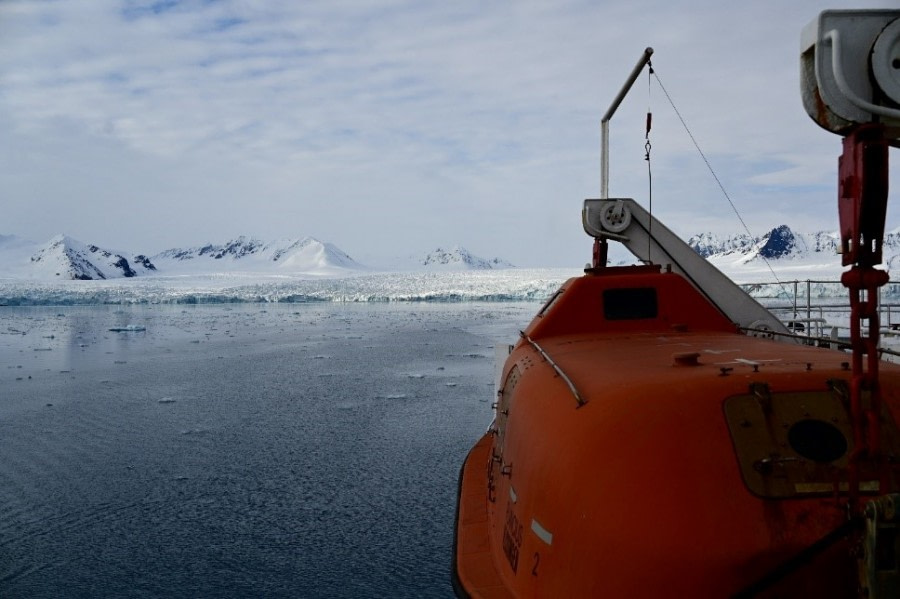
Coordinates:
[862,205]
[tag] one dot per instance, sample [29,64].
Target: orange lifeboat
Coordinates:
[644,447]
[657,433]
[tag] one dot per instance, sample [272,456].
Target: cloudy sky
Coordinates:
[391,127]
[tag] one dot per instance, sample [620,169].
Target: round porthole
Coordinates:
[817,440]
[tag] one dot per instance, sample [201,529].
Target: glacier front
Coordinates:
[489,285]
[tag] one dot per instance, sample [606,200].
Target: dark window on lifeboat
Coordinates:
[629,304]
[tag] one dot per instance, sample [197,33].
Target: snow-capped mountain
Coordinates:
[245,254]
[791,255]
[459,258]
[781,253]
[780,242]
[66,258]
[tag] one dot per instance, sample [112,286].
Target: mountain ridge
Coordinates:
[66,258]
[69,258]
[778,242]
[459,257]
[305,254]
[742,257]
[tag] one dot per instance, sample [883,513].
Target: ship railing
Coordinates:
[885,353]
[818,312]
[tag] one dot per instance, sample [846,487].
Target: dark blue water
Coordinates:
[271,451]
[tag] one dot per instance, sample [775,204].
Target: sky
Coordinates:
[393,127]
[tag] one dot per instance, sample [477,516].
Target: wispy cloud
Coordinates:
[397,124]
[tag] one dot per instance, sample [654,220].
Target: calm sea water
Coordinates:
[233,451]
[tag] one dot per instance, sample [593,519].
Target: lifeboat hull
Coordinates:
[643,447]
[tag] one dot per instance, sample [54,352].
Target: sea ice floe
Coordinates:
[131,328]
[194,431]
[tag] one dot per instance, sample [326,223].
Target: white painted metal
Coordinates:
[604,122]
[886,61]
[837,92]
[541,532]
[604,159]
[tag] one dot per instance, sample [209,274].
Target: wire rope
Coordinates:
[716,177]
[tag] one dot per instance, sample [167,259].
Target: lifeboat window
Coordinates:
[630,304]
[817,440]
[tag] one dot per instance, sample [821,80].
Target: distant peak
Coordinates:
[779,242]
[302,254]
[62,238]
[459,257]
[65,257]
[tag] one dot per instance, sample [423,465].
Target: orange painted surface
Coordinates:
[639,492]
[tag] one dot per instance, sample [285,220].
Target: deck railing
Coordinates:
[820,309]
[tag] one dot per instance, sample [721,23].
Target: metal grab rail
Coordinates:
[802,295]
[816,315]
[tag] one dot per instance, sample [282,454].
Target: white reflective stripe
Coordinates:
[541,532]
[512,494]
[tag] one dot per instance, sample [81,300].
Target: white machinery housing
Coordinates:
[836,92]
[626,221]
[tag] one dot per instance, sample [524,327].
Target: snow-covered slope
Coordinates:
[781,253]
[65,258]
[245,254]
[791,255]
[780,242]
[459,258]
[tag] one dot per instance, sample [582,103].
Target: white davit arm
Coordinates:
[624,220]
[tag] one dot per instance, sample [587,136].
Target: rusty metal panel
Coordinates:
[799,444]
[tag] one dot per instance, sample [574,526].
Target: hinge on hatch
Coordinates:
[760,391]
[840,389]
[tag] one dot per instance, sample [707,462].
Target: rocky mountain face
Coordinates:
[780,243]
[306,254]
[739,256]
[236,248]
[785,254]
[68,258]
